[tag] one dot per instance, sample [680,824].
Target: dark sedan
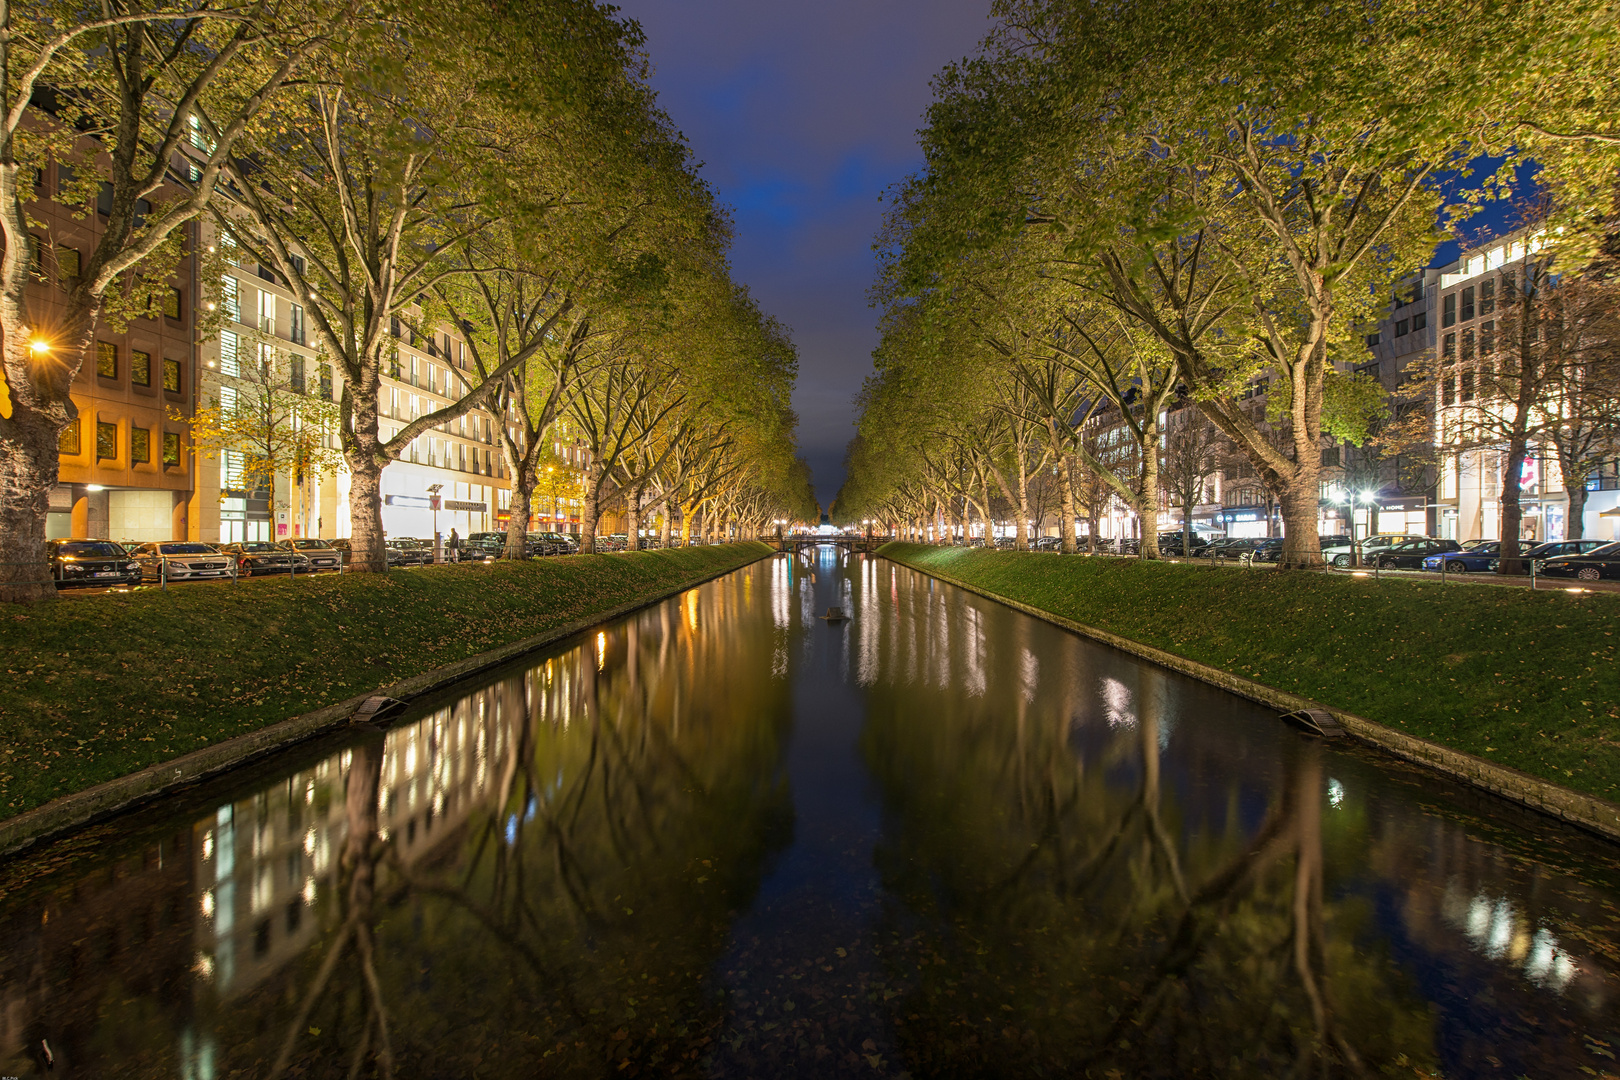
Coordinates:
[415,552]
[263,557]
[345,548]
[91,562]
[1549,549]
[1268,550]
[1594,565]
[1409,554]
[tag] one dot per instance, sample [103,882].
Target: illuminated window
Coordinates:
[106,441]
[68,441]
[106,360]
[140,367]
[171,376]
[140,445]
[171,303]
[171,448]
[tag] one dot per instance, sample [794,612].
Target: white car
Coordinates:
[1371,548]
[183,561]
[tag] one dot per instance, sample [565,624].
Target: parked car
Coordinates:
[1340,555]
[91,562]
[253,557]
[1590,565]
[1047,543]
[1470,545]
[558,543]
[1268,550]
[183,561]
[345,548]
[1469,560]
[1232,547]
[413,552]
[1171,543]
[1551,549]
[1337,540]
[1599,562]
[319,555]
[1409,555]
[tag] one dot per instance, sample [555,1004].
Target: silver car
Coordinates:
[318,555]
[182,560]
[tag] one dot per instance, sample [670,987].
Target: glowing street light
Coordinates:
[39,346]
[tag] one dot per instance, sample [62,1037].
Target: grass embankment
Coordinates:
[1525,679]
[100,687]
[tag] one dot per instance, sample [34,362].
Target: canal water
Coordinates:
[724,837]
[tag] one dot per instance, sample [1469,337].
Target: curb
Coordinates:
[103,800]
[1586,811]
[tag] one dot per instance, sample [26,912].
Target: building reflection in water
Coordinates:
[1076,861]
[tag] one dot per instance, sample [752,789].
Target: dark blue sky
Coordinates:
[803,113]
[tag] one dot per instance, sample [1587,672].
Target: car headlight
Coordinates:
[132,566]
[71,569]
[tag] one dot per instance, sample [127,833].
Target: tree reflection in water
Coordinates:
[1004,852]
[1064,911]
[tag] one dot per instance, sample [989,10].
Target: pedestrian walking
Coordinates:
[455,546]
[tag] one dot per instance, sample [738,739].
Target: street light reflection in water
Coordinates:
[723,837]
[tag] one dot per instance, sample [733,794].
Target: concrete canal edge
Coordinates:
[1588,812]
[83,807]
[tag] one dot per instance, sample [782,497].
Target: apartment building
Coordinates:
[125,470]
[451,477]
[1452,313]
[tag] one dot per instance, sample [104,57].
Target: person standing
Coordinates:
[455,546]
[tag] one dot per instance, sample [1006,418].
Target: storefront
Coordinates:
[1243,522]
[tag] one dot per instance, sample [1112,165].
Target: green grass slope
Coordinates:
[102,686]
[1525,679]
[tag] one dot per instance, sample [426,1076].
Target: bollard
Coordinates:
[1532,575]
[163,572]
[1442,569]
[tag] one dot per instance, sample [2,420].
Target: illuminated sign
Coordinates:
[469,507]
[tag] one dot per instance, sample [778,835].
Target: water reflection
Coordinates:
[725,838]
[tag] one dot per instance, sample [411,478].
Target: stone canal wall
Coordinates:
[116,699]
[1215,620]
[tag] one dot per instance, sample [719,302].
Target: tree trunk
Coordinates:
[663,529]
[632,518]
[28,471]
[590,507]
[517,526]
[1148,508]
[1575,517]
[1511,515]
[1301,505]
[365,515]
[1071,538]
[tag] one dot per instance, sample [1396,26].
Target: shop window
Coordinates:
[106,360]
[140,367]
[106,441]
[140,446]
[67,443]
[171,375]
[171,449]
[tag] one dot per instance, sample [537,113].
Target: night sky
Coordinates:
[803,114]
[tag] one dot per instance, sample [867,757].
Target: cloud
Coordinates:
[803,114]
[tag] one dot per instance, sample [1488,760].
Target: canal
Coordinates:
[724,837]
